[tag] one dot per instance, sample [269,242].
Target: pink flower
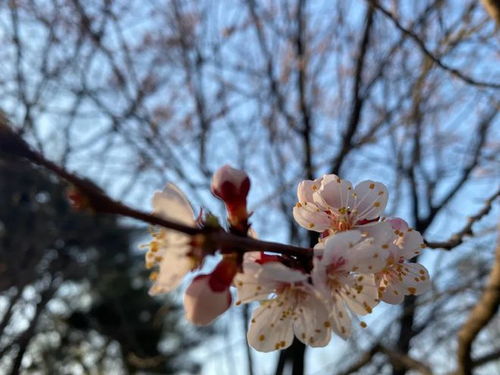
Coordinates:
[330,204]
[399,277]
[208,296]
[290,306]
[344,273]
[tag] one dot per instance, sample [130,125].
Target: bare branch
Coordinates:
[397,359]
[99,202]
[458,238]
[486,358]
[466,171]
[426,51]
[479,317]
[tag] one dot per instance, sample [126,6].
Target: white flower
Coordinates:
[399,277]
[344,273]
[169,249]
[290,306]
[330,204]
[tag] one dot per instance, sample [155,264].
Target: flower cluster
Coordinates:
[361,259]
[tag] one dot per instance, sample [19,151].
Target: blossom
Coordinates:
[290,306]
[170,250]
[330,204]
[208,296]
[400,277]
[344,273]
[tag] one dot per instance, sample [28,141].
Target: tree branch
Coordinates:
[479,317]
[458,238]
[426,51]
[98,201]
[397,359]
[466,172]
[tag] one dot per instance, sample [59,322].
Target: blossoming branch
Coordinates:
[360,260]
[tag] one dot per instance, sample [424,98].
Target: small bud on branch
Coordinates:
[232,186]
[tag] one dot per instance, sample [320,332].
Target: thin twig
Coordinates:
[458,238]
[428,53]
[397,358]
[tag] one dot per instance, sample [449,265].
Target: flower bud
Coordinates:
[208,296]
[77,199]
[231,186]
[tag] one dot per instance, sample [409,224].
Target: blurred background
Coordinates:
[135,93]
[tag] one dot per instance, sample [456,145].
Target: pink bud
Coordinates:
[231,185]
[202,304]
[208,296]
[398,224]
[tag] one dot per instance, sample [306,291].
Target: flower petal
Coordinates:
[174,265]
[391,293]
[382,232]
[408,279]
[362,295]
[306,189]
[398,223]
[341,319]
[334,193]
[202,305]
[312,325]
[278,272]
[411,243]
[370,199]
[338,246]
[270,328]
[309,216]
[171,203]
[366,256]
[416,280]
[250,289]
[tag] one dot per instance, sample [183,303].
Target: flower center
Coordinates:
[342,220]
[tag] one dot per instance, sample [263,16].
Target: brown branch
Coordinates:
[466,172]
[428,53]
[458,238]
[405,361]
[493,9]
[479,317]
[397,359]
[99,202]
[486,358]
